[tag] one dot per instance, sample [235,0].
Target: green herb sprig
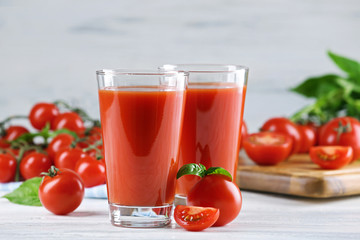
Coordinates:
[335,95]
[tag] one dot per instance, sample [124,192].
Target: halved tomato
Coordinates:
[268,148]
[195,218]
[331,157]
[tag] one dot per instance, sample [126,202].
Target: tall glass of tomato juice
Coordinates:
[213,115]
[141,115]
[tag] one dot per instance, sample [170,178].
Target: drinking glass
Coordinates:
[212,119]
[141,115]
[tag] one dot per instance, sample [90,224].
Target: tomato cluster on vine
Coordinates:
[63,136]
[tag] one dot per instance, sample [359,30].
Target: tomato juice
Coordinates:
[141,128]
[212,120]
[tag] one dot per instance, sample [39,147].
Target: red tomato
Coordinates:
[42,113]
[60,142]
[96,132]
[91,171]
[70,121]
[268,148]
[34,164]
[61,192]
[217,191]
[342,131]
[7,168]
[285,126]
[12,133]
[308,138]
[195,218]
[331,157]
[243,134]
[68,157]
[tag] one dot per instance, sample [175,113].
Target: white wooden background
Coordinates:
[51,49]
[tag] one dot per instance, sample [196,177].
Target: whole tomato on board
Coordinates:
[33,164]
[91,170]
[268,148]
[7,168]
[42,113]
[69,120]
[331,157]
[61,191]
[60,142]
[342,131]
[195,218]
[243,134]
[68,157]
[308,138]
[285,126]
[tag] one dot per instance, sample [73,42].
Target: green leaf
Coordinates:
[191,169]
[64,130]
[218,170]
[27,193]
[348,65]
[316,87]
[348,86]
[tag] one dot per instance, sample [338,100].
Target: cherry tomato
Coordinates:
[308,138]
[42,113]
[331,157]
[3,143]
[342,131]
[69,120]
[68,157]
[62,191]
[268,148]
[91,171]
[285,126]
[218,192]
[60,142]
[243,134]
[34,164]
[195,218]
[7,168]
[12,133]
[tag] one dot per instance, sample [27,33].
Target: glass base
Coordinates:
[140,217]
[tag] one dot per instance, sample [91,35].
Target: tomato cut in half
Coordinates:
[284,126]
[195,218]
[331,157]
[268,148]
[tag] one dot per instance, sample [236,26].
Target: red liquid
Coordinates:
[210,136]
[141,143]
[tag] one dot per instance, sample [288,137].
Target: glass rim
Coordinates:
[140,72]
[222,68]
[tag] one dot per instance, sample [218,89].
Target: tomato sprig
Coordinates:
[7,120]
[84,116]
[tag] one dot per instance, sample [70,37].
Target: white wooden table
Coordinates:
[263,216]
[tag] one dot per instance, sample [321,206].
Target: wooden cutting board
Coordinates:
[300,177]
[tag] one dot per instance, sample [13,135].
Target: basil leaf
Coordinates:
[218,170]
[316,87]
[191,169]
[27,193]
[348,65]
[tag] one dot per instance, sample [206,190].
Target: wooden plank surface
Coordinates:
[300,177]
